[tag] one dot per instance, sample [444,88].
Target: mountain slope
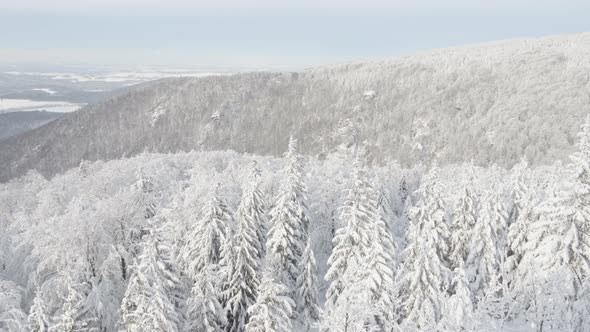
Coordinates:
[491,103]
[14,123]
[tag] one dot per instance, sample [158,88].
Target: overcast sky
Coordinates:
[265,34]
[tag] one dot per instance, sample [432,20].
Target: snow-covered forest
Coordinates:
[494,102]
[221,241]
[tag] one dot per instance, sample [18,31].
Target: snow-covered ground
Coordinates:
[46,90]
[113,76]
[26,105]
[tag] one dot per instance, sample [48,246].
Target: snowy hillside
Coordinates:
[14,123]
[488,103]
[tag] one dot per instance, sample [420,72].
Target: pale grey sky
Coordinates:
[234,35]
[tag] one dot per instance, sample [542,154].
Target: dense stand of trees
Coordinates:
[226,242]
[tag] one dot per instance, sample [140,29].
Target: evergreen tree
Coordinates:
[352,240]
[520,216]
[147,305]
[289,221]
[459,307]
[558,242]
[486,255]
[520,192]
[253,208]
[134,225]
[380,270]
[70,318]
[362,262]
[425,273]
[464,220]
[244,280]
[205,313]
[273,308]
[145,202]
[228,266]
[204,244]
[308,310]
[404,191]
[38,319]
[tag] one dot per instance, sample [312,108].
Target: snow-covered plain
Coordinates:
[25,105]
[46,90]
[134,76]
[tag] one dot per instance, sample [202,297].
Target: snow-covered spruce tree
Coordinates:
[464,219]
[134,224]
[145,202]
[253,208]
[289,221]
[147,306]
[308,310]
[520,216]
[556,256]
[227,266]
[459,308]
[38,318]
[559,241]
[209,233]
[352,240]
[205,312]
[70,317]
[425,273]
[487,248]
[361,265]
[380,269]
[520,192]
[404,191]
[498,301]
[244,280]
[273,308]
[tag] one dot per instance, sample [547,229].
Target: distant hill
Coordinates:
[14,123]
[489,103]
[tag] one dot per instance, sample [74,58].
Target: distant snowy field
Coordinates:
[131,77]
[68,91]
[25,105]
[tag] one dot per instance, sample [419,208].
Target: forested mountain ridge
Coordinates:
[491,103]
[14,123]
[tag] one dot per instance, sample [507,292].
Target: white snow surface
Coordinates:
[26,105]
[114,76]
[46,90]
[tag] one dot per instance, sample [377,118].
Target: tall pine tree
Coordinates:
[244,280]
[558,243]
[38,318]
[361,265]
[273,307]
[308,310]
[464,220]
[147,304]
[425,272]
[205,241]
[487,248]
[70,320]
[205,312]
[289,221]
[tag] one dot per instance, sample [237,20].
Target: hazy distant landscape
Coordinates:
[61,91]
